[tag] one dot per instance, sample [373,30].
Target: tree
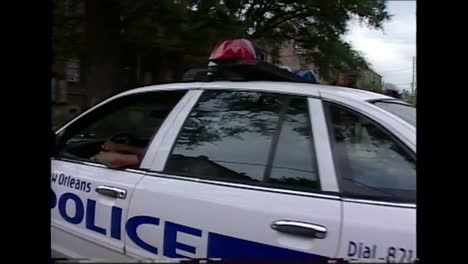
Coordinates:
[103,57]
[67,40]
[170,36]
[317,25]
[90,30]
[413,99]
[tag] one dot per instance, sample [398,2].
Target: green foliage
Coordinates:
[318,26]
[168,28]
[67,41]
[412,100]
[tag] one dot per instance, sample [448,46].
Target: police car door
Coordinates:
[377,177]
[89,200]
[246,177]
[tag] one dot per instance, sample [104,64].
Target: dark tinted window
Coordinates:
[130,120]
[371,162]
[247,137]
[403,111]
[294,163]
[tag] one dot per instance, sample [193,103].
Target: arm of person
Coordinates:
[117,160]
[110,146]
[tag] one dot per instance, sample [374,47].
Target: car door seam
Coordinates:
[341,225]
[128,210]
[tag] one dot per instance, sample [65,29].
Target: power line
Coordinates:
[396,73]
[396,83]
[397,70]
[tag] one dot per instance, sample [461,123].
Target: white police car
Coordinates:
[239,169]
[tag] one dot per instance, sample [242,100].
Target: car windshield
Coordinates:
[404,111]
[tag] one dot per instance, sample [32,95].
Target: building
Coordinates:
[292,56]
[369,80]
[67,90]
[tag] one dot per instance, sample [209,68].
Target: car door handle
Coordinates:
[112,191]
[300,228]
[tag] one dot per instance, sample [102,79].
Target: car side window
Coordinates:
[294,163]
[370,162]
[247,137]
[123,126]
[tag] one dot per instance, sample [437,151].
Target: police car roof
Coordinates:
[305,89]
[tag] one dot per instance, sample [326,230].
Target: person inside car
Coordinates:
[120,156]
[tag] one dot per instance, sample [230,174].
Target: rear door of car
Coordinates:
[376,172]
[239,174]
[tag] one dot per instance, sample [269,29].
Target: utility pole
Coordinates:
[415,77]
[413,84]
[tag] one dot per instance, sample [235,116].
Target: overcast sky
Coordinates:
[390,51]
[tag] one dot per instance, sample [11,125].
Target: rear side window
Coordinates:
[294,161]
[370,162]
[403,111]
[248,137]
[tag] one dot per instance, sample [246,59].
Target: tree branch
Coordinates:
[285,18]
